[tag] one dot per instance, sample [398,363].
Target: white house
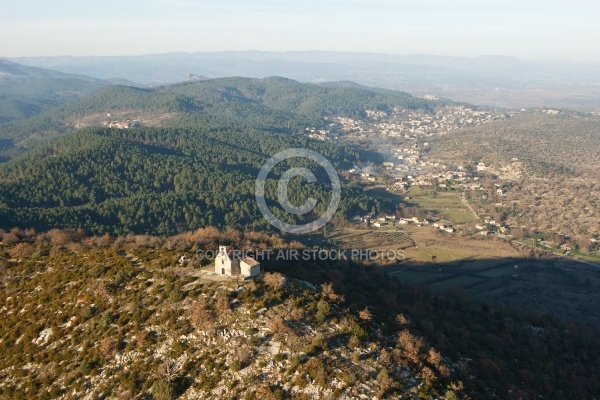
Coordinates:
[246,267]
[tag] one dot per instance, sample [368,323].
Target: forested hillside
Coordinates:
[564,143]
[27,91]
[275,104]
[156,180]
[313,100]
[548,165]
[188,158]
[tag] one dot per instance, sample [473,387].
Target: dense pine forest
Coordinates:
[152,180]
[268,104]
[196,169]
[28,91]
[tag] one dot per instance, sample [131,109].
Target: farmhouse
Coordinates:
[246,267]
[380,224]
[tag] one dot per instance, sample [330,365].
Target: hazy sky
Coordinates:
[527,29]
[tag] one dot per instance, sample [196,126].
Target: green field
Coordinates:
[446,203]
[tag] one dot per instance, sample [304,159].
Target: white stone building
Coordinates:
[246,267]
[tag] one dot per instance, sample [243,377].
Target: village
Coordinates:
[406,163]
[401,135]
[405,124]
[481,188]
[404,133]
[416,124]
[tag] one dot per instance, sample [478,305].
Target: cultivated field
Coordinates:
[370,239]
[446,203]
[433,246]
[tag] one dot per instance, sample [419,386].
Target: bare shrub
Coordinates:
[274,280]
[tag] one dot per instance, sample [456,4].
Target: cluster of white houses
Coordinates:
[487,226]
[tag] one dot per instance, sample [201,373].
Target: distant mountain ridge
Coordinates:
[13,71]
[493,80]
[26,91]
